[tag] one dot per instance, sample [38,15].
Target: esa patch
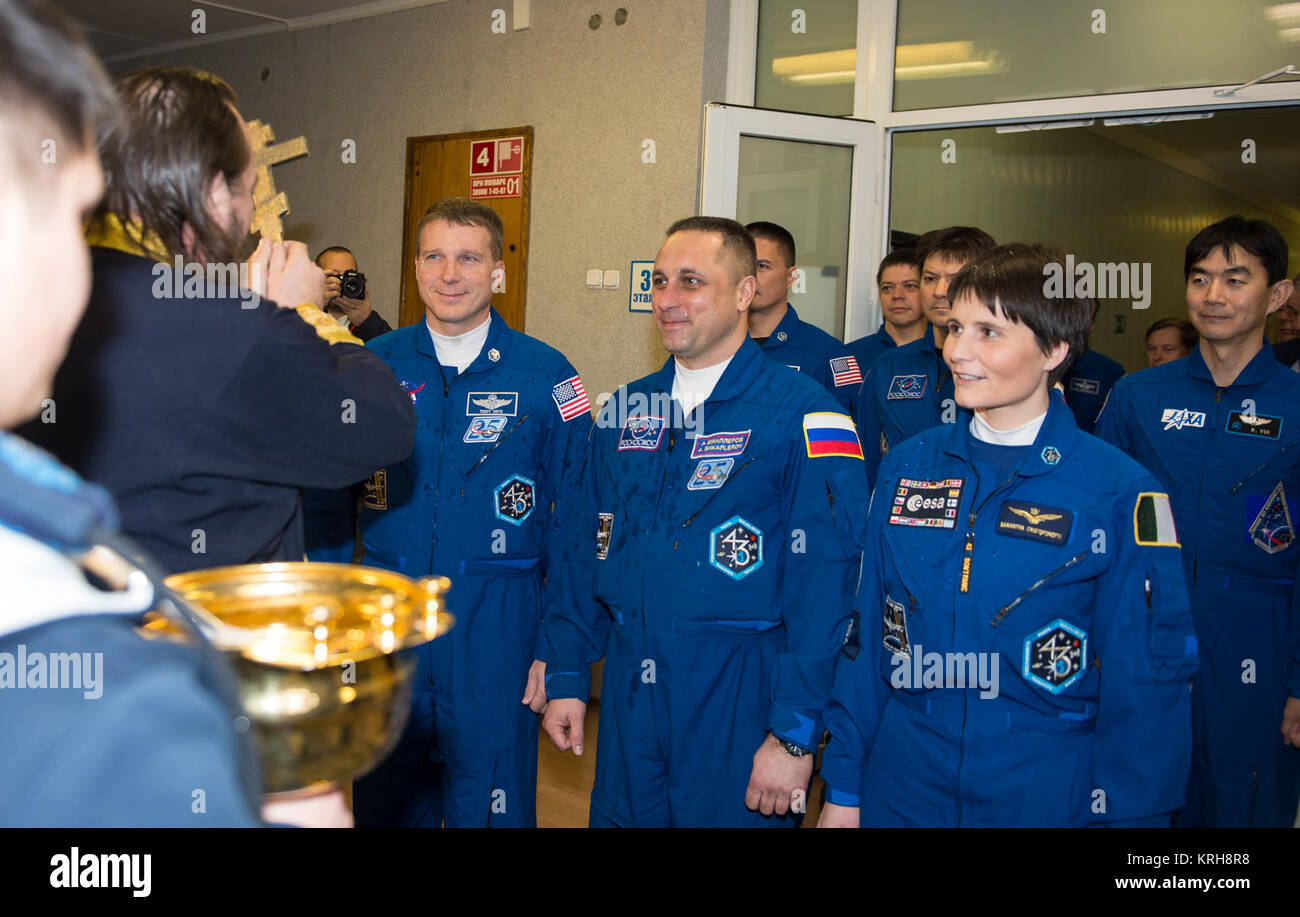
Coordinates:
[604,528]
[643,434]
[376,495]
[1056,656]
[1177,418]
[1036,523]
[491,404]
[485,429]
[515,498]
[907,387]
[1273,528]
[1153,521]
[926,504]
[894,620]
[736,548]
[710,474]
[1260,425]
[826,433]
[720,445]
[1085,386]
[411,389]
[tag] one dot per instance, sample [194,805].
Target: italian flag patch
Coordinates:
[1153,521]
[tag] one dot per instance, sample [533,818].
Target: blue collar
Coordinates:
[1256,372]
[498,339]
[46,501]
[737,378]
[788,325]
[1055,440]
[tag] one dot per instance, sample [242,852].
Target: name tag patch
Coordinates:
[895,628]
[928,504]
[1036,523]
[1085,386]
[907,387]
[604,528]
[1254,425]
[720,445]
[642,434]
[491,404]
[710,474]
[1273,528]
[485,429]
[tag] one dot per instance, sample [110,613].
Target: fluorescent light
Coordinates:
[1042,126]
[911,62]
[1156,119]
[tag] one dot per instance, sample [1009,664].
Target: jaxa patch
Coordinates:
[736,548]
[720,445]
[411,389]
[604,529]
[376,495]
[641,433]
[515,498]
[1055,656]
[485,429]
[1085,386]
[1263,425]
[1153,521]
[926,504]
[907,387]
[1177,418]
[1037,523]
[1273,529]
[493,404]
[710,474]
[894,620]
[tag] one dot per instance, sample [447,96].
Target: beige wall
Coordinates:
[592,96]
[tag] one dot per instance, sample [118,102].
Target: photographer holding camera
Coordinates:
[347,295]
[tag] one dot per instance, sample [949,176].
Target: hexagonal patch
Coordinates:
[1056,656]
[736,548]
[515,498]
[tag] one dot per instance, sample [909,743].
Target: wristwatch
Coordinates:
[793,749]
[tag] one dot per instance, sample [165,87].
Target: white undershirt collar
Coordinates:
[1023,435]
[692,387]
[461,350]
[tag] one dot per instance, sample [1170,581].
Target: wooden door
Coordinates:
[492,166]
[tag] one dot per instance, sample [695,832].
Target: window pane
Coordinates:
[806,60]
[967,52]
[803,187]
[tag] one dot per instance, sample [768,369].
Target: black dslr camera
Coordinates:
[352,284]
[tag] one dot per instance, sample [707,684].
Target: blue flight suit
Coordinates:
[907,390]
[867,349]
[810,350]
[1230,459]
[1087,385]
[474,502]
[717,589]
[1045,578]
[122,742]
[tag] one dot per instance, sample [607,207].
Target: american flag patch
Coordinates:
[845,371]
[571,398]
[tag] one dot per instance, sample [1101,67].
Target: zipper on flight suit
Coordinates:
[730,478]
[1281,452]
[1006,609]
[968,553]
[504,436]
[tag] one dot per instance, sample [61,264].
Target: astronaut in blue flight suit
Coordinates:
[898,278]
[1088,383]
[1220,428]
[779,330]
[910,389]
[1024,642]
[498,444]
[726,495]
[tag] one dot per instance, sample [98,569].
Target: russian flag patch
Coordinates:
[831,434]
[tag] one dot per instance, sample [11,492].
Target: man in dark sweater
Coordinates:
[202,406]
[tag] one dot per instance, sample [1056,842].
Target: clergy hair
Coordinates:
[461,211]
[181,131]
[736,241]
[1009,279]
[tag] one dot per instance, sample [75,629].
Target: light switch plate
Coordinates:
[611,280]
[594,277]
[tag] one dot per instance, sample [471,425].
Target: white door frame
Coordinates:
[723,127]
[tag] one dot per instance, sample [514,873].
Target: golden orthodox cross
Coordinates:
[269,205]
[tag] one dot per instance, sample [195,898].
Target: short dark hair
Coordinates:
[335,248]
[1186,330]
[1010,278]
[736,241]
[50,83]
[774,232]
[958,243]
[897,256]
[181,131]
[461,211]
[1255,236]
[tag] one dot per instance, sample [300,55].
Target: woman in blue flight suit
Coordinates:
[1025,640]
